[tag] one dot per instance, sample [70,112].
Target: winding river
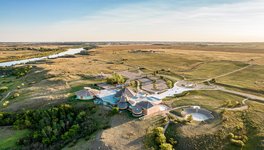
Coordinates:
[68,52]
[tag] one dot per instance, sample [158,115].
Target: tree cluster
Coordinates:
[54,127]
[116,79]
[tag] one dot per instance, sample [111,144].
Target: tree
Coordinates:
[166,146]
[189,118]
[161,138]
[169,83]
[115,79]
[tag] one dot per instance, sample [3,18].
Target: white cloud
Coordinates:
[242,21]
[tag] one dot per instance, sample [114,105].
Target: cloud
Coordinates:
[241,21]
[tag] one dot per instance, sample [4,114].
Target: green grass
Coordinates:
[9,137]
[207,99]
[251,78]
[212,69]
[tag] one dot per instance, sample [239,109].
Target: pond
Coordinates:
[68,52]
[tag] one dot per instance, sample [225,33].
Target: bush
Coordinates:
[3,89]
[15,95]
[166,146]
[115,79]
[172,141]
[181,94]
[160,139]
[237,142]
[84,52]
[189,118]
[115,110]
[169,83]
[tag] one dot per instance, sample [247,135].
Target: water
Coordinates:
[68,52]
[199,117]
[108,96]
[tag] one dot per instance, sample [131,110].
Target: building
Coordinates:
[137,105]
[86,94]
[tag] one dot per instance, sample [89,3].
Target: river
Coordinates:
[68,52]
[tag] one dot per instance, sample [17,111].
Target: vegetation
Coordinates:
[15,71]
[169,83]
[157,140]
[116,79]
[53,127]
[3,89]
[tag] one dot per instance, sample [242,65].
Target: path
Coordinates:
[225,74]
[5,96]
[241,108]
[246,95]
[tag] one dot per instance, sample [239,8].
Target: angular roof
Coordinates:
[132,102]
[129,93]
[120,93]
[123,99]
[122,105]
[137,110]
[125,92]
[145,104]
[87,92]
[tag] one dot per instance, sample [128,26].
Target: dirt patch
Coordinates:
[126,133]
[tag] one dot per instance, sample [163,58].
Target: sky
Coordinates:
[132,20]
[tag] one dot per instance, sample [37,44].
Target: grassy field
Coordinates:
[53,81]
[208,99]
[215,135]
[9,137]
[251,78]
[11,52]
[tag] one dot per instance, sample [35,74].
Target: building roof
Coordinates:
[122,105]
[137,110]
[87,92]
[125,92]
[145,104]
[120,93]
[123,99]
[132,102]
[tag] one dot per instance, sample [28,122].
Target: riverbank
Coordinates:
[63,53]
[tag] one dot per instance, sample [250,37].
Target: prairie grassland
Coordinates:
[11,52]
[208,99]
[251,78]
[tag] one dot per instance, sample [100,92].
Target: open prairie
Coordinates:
[236,67]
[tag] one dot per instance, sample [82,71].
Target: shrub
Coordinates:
[3,89]
[172,141]
[237,142]
[189,118]
[231,135]
[169,83]
[84,52]
[15,95]
[166,146]
[115,110]
[115,79]
[161,138]
[181,94]
[5,103]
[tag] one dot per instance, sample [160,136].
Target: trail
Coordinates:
[225,74]
[6,96]
[241,108]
